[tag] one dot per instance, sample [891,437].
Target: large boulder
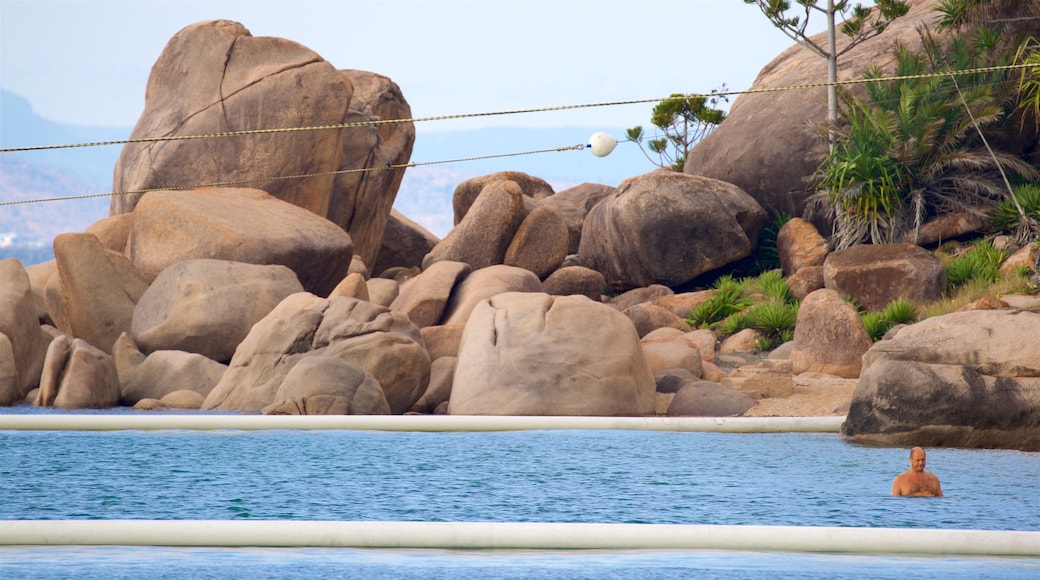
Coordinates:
[574,204]
[467,192]
[215,77]
[361,201]
[875,275]
[769,144]
[238,225]
[483,284]
[424,297]
[98,290]
[384,343]
[162,372]
[23,345]
[77,375]
[405,244]
[328,385]
[707,399]
[484,234]
[540,243]
[208,306]
[799,246]
[967,379]
[536,354]
[829,336]
[667,228]
[575,280]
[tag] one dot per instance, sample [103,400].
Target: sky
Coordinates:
[86,62]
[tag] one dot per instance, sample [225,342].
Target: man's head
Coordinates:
[917,459]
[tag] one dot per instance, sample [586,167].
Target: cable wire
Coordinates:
[380,122]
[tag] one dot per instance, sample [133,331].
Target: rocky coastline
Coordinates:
[313,296]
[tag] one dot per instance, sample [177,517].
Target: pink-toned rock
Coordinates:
[423,298]
[443,340]
[665,351]
[358,266]
[684,303]
[238,225]
[328,385]
[875,275]
[711,372]
[112,231]
[214,77]
[535,354]
[78,375]
[948,227]
[442,373]
[482,237]
[99,290]
[575,280]
[647,317]
[405,243]
[1026,257]
[382,342]
[382,291]
[967,379]
[468,191]
[800,245]
[741,341]
[360,203]
[574,204]
[23,345]
[162,372]
[640,295]
[667,228]
[829,336]
[208,306]
[182,399]
[353,286]
[805,281]
[485,283]
[540,243]
[708,399]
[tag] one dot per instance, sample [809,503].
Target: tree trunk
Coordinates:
[832,74]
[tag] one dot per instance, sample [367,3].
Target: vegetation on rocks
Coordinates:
[912,149]
[683,120]
[763,303]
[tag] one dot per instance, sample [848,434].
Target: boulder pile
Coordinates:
[313,297]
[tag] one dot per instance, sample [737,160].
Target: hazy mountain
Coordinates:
[444,159]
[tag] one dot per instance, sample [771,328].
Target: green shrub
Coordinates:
[899,311]
[774,320]
[775,287]
[875,325]
[980,263]
[727,300]
[1005,216]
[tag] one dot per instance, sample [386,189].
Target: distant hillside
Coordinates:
[425,194]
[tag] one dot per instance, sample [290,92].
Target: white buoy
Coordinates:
[518,536]
[602,144]
[435,423]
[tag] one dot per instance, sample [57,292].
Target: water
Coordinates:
[530,476]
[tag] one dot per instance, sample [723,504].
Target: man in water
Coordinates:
[917,481]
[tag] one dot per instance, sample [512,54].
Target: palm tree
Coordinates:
[910,150]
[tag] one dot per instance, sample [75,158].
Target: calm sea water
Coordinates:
[531,476]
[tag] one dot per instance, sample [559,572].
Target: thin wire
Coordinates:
[380,122]
[386,167]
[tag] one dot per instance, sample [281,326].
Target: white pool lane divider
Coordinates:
[518,536]
[210,422]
